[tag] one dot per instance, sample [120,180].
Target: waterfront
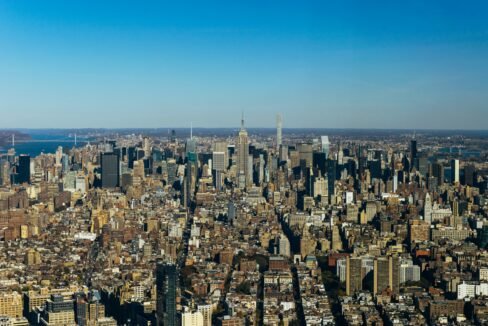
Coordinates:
[42,143]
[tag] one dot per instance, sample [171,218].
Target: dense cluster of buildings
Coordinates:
[246,229]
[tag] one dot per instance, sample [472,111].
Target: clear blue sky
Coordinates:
[333,64]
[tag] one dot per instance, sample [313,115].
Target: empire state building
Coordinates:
[242,157]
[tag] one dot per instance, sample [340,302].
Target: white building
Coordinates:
[192,319]
[341,269]
[484,274]
[466,291]
[409,272]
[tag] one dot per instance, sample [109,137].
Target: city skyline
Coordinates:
[330,65]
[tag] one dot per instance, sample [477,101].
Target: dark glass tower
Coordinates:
[23,173]
[166,282]
[413,152]
[110,170]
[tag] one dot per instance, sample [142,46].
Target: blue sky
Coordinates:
[331,64]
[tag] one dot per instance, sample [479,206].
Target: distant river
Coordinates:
[44,144]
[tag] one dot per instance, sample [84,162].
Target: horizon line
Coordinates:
[232,128]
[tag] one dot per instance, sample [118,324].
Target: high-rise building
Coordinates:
[218,160]
[242,157]
[325,146]
[110,170]
[11,304]
[418,230]
[469,175]
[146,145]
[23,172]
[336,238]
[409,272]
[438,172]
[305,151]
[206,311]
[166,282]
[59,311]
[428,208]
[189,318]
[386,274]
[413,152]
[131,157]
[284,246]
[422,165]
[455,171]
[320,187]
[354,275]
[279,125]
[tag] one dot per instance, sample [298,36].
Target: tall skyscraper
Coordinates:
[110,170]
[306,154]
[325,146]
[455,171]
[23,173]
[469,175]
[279,125]
[438,172]
[413,152]
[166,282]
[242,157]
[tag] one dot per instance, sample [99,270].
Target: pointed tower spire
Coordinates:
[191,130]
[242,120]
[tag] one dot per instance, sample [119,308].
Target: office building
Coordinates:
[438,172]
[409,272]
[11,304]
[59,311]
[354,275]
[110,170]
[166,283]
[325,146]
[386,274]
[413,152]
[23,172]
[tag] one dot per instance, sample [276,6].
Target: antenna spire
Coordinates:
[191,130]
[242,120]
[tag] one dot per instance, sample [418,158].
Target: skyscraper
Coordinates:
[279,123]
[325,146]
[166,282]
[23,173]
[455,171]
[110,170]
[242,157]
[306,154]
[413,152]
[438,172]
[469,175]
